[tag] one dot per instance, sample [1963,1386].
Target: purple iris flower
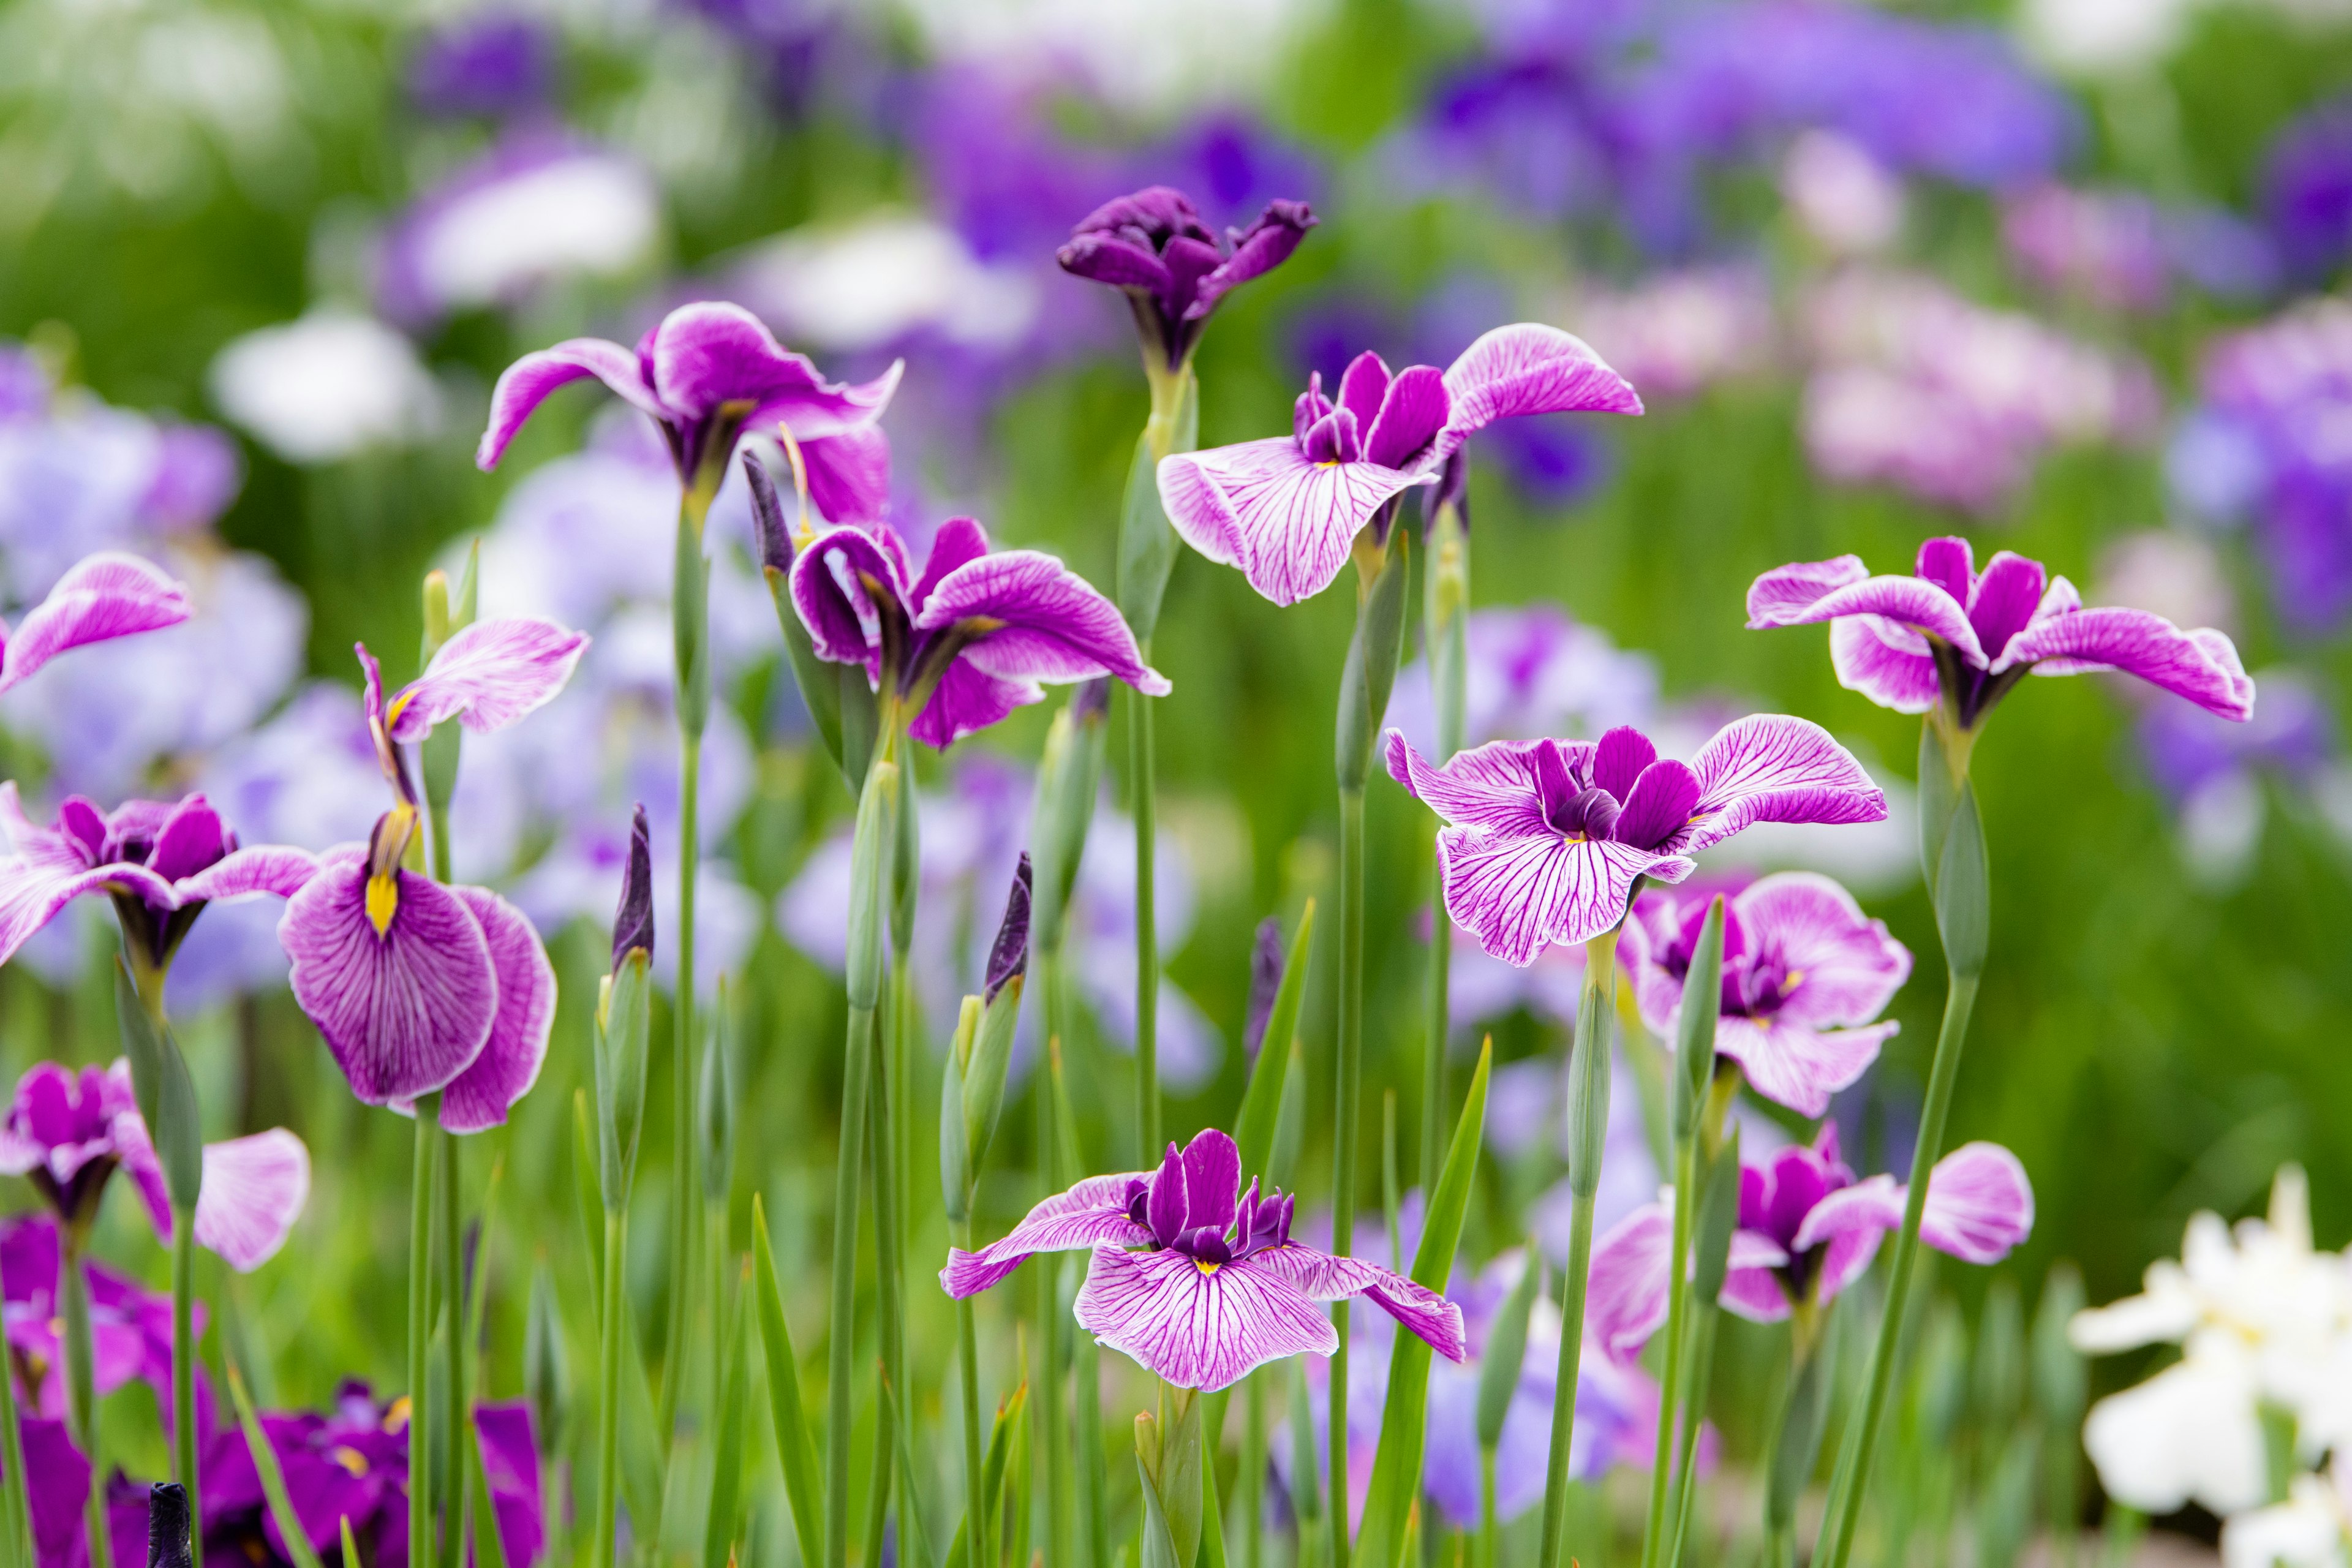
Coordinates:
[417,987]
[1807,1230]
[160,862]
[104,596]
[969,638]
[1804,973]
[2307,189]
[1154,248]
[1967,637]
[1543,838]
[1196,1281]
[483,65]
[709,372]
[68,1133]
[59,1477]
[1287,511]
[131,1328]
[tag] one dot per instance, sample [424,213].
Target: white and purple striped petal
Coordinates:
[487,675]
[105,595]
[526,383]
[2201,665]
[1199,1325]
[1770,767]
[1809,592]
[1979,1204]
[479,1098]
[1527,368]
[829,582]
[1791,1064]
[1094,1211]
[1491,786]
[1323,1278]
[1521,893]
[1287,522]
[1884,660]
[254,1190]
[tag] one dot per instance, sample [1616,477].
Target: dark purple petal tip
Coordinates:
[1265,979]
[633,925]
[1010,956]
[776,539]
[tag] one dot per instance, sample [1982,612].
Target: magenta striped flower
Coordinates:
[1543,840]
[419,988]
[1804,974]
[101,597]
[1195,1279]
[970,637]
[1951,633]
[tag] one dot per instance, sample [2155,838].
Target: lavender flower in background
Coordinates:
[68,1133]
[1544,838]
[2104,247]
[1954,635]
[328,386]
[1804,974]
[2306,190]
[1196,1281]
[1840,195]
[488,64]
[2211,772]
[1533,671]
[886,278]
[537,206]
[1677,333]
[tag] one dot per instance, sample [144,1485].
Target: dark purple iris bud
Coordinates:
[633,925]
[1093,700]
[775,537]
[1265,979]
[167,1526]
[1010,955]
[1152,245]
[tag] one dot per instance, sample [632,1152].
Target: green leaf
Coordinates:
[869,883]
[992,1058]
[955,1152]
[1147,545]
[1695,1025]
[689,607]
[715,1104]
[273,1479]
[1396,1466]
[1306,1494]
[490,1547]
[1939,796]
[1963,890]
[1717,1217]
[1803,1420]
[1069,775]
[1588,1081]
[1506,1349]
[823,691]
[794,1447]
[546,1378]
[586,1186]
[2061,1382]
[718,1533]
[1369,671]
[1261,1111]
[1177,1478]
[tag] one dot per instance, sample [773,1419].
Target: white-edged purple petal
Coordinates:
[479,1098]
[1770,767]
[1783,595]
[1203,1326]
[254,1190]
[2004,598]
[1287,522]
[1844,967]
[1625,1293]
[1793,1064]
[403,1013]
[2201,665]
[277,870]
[1979,1204]
[104,596]
[1323,1278]
[1872,1205]
[1491,786]
[712,352]
[526,383]
[1092,1212]
[1885,661]
[1528,368]
[849,474]
[1519,893]
[1035,619]
[31,895]
[828,582]
[1778,598]
[487,675]
[1751,1280]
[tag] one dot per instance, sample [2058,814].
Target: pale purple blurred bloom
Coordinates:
[537,206]
[1914,387]
[1677,333]
[886,282]
[1841,195]
[2306,190]
[131,1328]
[2176,574]
[2105,248]
[2211,772]
[1527,1113]
[489,63]
[1533,671]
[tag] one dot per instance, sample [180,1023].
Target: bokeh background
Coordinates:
[2057,276]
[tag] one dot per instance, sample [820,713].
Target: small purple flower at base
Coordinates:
[68,1133]
[1964,638]
[1804,973]
[1287,511]
[1807,1230]
[969,638]
[1543,840]
[106,595]
[1153,246]
[131,1328]
[1195,1279]
[708,372]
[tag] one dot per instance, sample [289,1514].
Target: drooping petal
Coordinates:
[1770,767]
[1873,1203]
[1264,246]
[32,895]
[1797,1066]
[526,383]
[849,474]
[76,842]
[1093,1211]
[1778,599]
[1844,967]
[101,597]
[1262,506]
[479,1098]
[1323,1278]
[829,592]
[1201,1326]
[2201,665]
[511,1464]
[1752,1282]
[1520,893]
[1528,369]
[1625,1294]
[403,1013]
[1491,786]
[1037,620]
[712,352]
[487,675]
[1884,660]
[1979,1204]
[254,1190]
[967,701]
[277,870]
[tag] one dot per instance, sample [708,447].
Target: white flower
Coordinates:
[325,386]
[2307,1530]
[580,212]
[2099,38]
[882,277]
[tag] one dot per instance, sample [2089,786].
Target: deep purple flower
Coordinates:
[1967,637]
[160,862]
[1196,1281]
[1804,973]
[1807,1230]
[969,638]
[416,986]
[131,1328]
[483,65]
[1153,246]
[107,594]
[69,1132]
[1287,511]
[706,373]
[2307,189]
[1543,838]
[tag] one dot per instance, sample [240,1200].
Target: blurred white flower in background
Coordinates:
[2307,1530]
[327,387]
[1158,55]
[886,277]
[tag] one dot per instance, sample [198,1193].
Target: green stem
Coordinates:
[1563,1399]
[184,1365]
[1051,1410]
[841,1332]
[1142,767]
[1488,1544]
[81,1389]
[686,1179]
[1959,998]
[1432,1062]
[420,1327]
[453,1415]
[1677,1306]
[1588,1125]
[608,1414]
[1702,1368]
[1093,1507]
[16,1508]
[888,1259]
[1348,1092]
[979,1537]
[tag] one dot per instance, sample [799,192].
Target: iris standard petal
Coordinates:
[1263,506]
[1411,416]
[479,1098]
[2201,665]
[712,352]
[1528,368]
[487,675]
[848,474]
[1199,1326]
[1770,767]
[2004,599]
[1037,620]
[1093,1211]
[1884,660]
[104,596]
[1659,805]
[526,383]
[1212,1180]
[959,542]
[403,1013]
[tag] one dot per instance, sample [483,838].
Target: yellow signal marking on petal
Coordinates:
[382,900]
[395,1415]
[351,1458]
[1796,978]
[1206,1267]
[399,705]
